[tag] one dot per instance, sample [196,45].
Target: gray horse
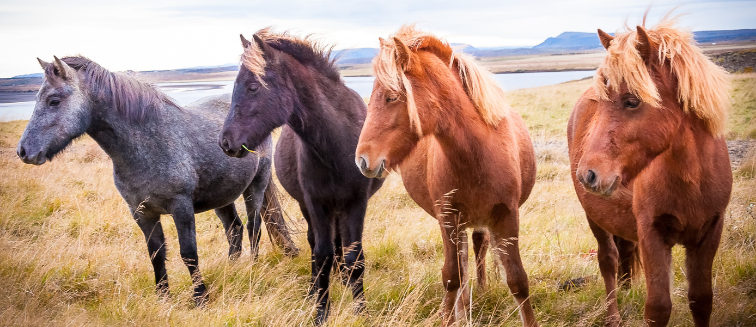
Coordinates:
[165,158]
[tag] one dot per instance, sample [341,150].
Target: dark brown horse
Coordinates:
[291,82]
[465,157]
[650,164]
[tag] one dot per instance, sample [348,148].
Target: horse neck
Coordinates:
[118,135]
[322,118]
[461,131]
[687,150]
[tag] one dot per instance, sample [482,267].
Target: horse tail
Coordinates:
[275,224]
[629,261]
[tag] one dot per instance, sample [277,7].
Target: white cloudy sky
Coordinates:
[156,34]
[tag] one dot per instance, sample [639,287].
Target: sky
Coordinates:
[156,34]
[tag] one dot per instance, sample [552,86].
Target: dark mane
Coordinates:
[135,100]
[305,50]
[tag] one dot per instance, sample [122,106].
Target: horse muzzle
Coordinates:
[36,159]
[232,151]
[596,184]
[378,172]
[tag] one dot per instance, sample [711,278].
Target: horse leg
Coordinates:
[698,264]
[253,200]
[628,254]
[153,234]
[272,215]
[351,224]
[183,216]
[607,259]
[321,226]
[311,242]
[657,260]
[338,261]
[232,224]
[454,271]
[480,247]
[505,237]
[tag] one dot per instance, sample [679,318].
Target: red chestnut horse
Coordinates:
[650,163]
[465,157]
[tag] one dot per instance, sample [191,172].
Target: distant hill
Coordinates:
[29,75]
[572,41]
[355,56]
[466,48]
[725,36]
[588,41]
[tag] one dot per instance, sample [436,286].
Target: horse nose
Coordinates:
[371,173]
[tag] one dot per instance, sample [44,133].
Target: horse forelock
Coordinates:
[307,50]
[480,87]
[132,98]
[252,58]
[703,88]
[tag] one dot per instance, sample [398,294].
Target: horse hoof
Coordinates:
[200,296]
[291,252]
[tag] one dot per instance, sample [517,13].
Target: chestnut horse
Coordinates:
[650,164]
[465,157]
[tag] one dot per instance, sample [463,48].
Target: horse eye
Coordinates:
[54,103]
[254,88]
[391,98]
[632,103]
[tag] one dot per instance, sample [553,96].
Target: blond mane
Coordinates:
[480,87]
[703,88]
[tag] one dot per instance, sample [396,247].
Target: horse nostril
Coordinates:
[224,144]
[381,168]
[21,152]
[590,177]
[363,163]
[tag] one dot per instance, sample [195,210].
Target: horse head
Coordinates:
[61,114]
[647,94]
[262,100]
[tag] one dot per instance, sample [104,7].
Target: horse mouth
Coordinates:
[599,189]
[236,154]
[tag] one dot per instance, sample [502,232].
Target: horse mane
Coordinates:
[130,97]
[306,50]
[703,88]
[480,87]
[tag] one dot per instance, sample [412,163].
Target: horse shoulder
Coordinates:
[414,172]
[286,163]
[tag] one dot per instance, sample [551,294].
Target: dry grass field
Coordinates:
[70,253]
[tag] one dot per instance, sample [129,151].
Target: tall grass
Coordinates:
[70,254]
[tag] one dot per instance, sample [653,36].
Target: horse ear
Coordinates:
[403,54]
[62,69]
[645,45]
[606,39]
[43,63]
[260,43]
[245,42]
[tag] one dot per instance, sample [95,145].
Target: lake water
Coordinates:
[186,93]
